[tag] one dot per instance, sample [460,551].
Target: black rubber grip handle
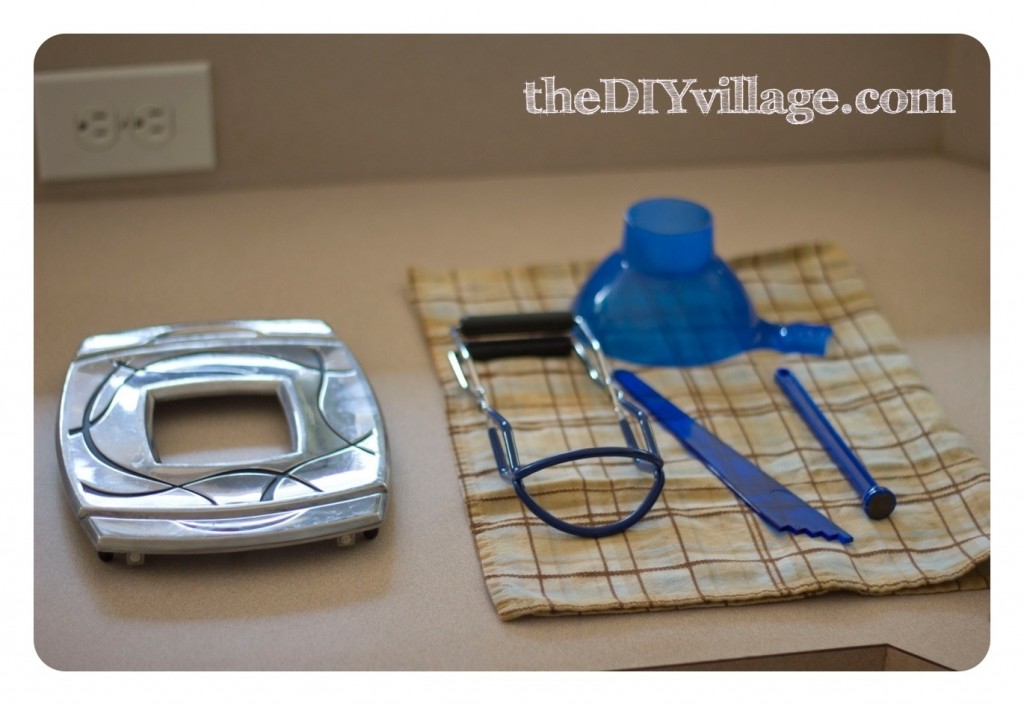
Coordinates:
[547,346]
[546,322]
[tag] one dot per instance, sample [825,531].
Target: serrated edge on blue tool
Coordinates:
[821,526]
[840,535]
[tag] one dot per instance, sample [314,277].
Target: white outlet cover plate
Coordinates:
[67,151]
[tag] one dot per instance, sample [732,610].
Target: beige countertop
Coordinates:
[414,598]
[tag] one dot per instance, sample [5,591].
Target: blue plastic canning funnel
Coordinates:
[666,299]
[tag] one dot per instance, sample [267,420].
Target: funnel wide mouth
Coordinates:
[668,236]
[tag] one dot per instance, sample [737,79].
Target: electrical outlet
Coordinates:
[133,120]
[154,124]
[97,128]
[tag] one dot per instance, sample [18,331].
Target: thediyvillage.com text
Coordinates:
[735,95]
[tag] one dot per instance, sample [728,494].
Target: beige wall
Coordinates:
[294,110]
[967,136]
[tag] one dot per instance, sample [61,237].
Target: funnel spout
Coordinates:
[802,338]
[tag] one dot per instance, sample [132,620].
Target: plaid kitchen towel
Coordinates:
[699,545]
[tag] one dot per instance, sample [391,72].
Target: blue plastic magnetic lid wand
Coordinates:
[878,502]
[782,509]
[666,299]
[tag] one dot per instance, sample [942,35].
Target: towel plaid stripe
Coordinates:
[699,545]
